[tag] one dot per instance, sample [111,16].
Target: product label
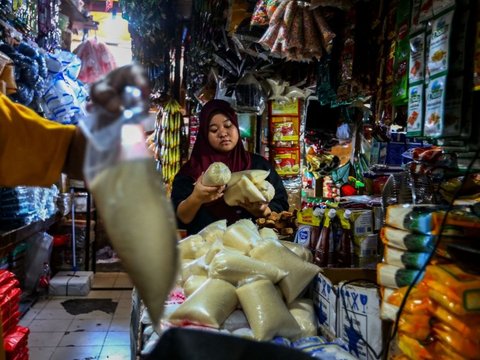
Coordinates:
[302,237]
[415,110]
[285,108]
[439,44]
[415,23]
[287,162]
[417,55]
[435,107]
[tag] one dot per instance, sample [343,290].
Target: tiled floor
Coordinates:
[55,334]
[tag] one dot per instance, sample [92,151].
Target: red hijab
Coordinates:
[203,154]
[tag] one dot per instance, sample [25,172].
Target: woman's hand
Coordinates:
[188,208]
[257,209]
[205,194]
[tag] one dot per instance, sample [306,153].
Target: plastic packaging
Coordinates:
[405,259]
[266,312]
[302,311]
[214,231]
[130,197]
[298,250]
[394,276]
[300,272]
[193,283]
[209,305]
[217,174]
[236,268]
[193,267]
[189,246]
[241,236]
[469,348]
[451,281]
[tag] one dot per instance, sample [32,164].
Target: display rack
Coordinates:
[11,238]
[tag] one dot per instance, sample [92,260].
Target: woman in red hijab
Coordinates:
[218,140]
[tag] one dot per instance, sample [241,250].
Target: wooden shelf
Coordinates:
[9,239]
[77,18]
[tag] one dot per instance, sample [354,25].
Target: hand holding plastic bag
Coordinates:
[130,197]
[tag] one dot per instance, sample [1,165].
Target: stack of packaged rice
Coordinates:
[441,317]
[246,282]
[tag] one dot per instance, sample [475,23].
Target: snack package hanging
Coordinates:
[130,196]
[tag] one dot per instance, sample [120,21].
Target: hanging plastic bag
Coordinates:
[249,94]
[130,196]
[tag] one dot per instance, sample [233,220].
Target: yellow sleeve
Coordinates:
[32,149]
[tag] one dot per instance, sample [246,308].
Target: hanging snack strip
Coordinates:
[168,132]
[296,32]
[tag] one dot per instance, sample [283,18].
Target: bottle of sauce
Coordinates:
[322,248]
[319,212]
[344,256]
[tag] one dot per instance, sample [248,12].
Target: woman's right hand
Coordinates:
[205,194]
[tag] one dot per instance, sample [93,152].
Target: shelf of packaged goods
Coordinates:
[9,239]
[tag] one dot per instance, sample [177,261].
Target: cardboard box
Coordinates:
[350,311]
[71,283]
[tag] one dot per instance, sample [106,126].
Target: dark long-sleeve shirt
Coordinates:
[183,186]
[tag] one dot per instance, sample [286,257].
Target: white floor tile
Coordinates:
[54,314]
[48,339]
[55,304]
[83,338]
[25,322]
[118,338]
[103,283]
[39,305]
[104,294]
[31,314]
[89,325]
[125,294]
[105,275]
[49,325]
[120,324]
[96,314]
[40,353]
[115,353]
[76,352]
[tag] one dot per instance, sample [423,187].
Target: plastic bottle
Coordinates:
[344,254]
[318,212]
[322,248]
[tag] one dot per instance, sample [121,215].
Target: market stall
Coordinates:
[367,119]
[362,112]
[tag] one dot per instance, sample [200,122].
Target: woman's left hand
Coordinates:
[257,209]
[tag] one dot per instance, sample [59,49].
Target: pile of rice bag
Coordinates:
[441,318]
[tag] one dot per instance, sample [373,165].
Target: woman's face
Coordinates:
[222,133]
